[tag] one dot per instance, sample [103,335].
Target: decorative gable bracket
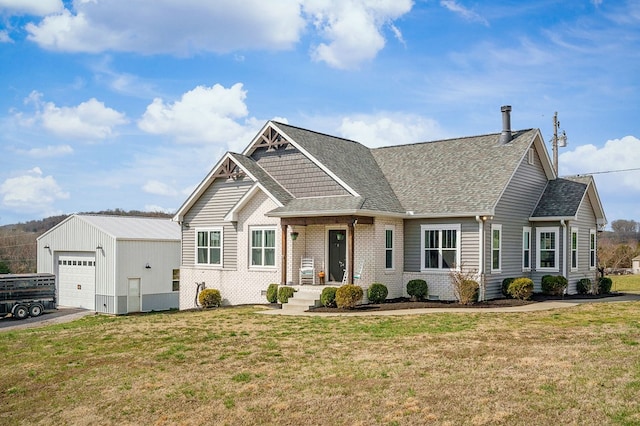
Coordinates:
[271,139]
[229,169]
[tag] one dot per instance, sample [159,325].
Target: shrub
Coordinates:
[272,293]
[377,293]
[521,288]
[583,286]
[328,297]
[284,293]
[468,292]
[554,285]
[417,289]
[505,286]
[604,284]
[209,298]
[348,295]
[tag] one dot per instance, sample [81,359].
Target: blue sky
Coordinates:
[110,104]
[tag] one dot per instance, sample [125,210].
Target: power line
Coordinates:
[610,171]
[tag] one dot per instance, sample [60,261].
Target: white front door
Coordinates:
[133,297]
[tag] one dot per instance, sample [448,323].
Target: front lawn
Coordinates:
[626,283]
[578,365]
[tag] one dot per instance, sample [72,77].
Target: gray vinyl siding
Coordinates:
[468,240]
[296,173]
[585,222]
[209,211]
[512,212]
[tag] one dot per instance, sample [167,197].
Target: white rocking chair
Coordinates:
[307,271]
[356,274]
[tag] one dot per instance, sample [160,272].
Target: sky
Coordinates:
[111,104]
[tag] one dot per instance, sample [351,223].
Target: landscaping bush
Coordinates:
[467,292]
[505,286]
[348,295]
[583,286]
[272,293]
[521,288]
[284,293]
[209,298]
[554,285]
[604,285]
[417,289]
[328,297]
[377,293]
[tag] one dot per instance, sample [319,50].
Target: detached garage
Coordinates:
[113,264]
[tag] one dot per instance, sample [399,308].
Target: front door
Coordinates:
[337,254]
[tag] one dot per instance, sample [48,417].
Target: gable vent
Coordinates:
[505,136]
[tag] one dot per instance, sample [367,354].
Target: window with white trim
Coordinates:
[496,247]
[547,249]
[531,156]
[526,248]
[209,246]
[388,248]
[592,249]
[440,247]
[263,246]
[574,248]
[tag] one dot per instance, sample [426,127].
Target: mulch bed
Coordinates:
[405,303]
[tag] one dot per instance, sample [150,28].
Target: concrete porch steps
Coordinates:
[304,298]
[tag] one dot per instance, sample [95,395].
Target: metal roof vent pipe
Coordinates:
[505,136]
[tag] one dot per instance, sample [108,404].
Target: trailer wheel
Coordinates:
[20,312]
[36,310]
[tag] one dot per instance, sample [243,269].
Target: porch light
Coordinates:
[294,236]
[340,236]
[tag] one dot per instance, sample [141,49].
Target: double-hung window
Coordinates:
[209,246]
[592,249]
[388,248]
[440,247]
[496,247]
[547,249]
[574,248]
[263,246]
[526,248]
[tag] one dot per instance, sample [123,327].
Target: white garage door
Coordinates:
[77,280]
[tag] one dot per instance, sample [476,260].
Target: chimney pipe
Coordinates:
[505,136]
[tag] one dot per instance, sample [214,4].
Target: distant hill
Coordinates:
[18,241]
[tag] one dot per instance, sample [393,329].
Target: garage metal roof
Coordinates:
[135,228]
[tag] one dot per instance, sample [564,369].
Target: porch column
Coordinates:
[283,265]
[350,246]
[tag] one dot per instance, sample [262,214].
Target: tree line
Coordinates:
[617,248]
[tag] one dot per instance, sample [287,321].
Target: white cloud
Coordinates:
[134,26]
[32,192]
[203,115]
[385,129]
[159,188]
[48,151]
[158,209]
[4,37]
[353,28]
[89,120]
[31,7]
[467,14]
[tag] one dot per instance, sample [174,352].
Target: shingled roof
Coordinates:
[561,198]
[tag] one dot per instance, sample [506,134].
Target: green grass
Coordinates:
[626,283]
[578,365]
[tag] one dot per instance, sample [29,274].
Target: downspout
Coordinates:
[480,221]
[564,253]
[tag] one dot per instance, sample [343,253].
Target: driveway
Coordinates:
[60,315]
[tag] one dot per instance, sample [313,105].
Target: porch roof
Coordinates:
[338,205]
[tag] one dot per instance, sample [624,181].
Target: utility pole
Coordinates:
[558,141]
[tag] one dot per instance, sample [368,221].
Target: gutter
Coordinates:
[480,220]
[564,253]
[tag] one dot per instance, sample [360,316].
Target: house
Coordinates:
[113,264]
[489,204]
[635,265]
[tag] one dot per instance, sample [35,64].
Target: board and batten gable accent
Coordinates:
[297,173]
[209,211]
[512,212]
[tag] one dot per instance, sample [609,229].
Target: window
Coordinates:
[175,283]
[209,247]
[531,157]
[388,248]
[440,246]
[547,239]
[526,248]
[496,247]
[263,247]
[592,249]
[574,248]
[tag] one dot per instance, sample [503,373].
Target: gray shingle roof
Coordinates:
[353,163]
[561,198]
[456,176]
[263,177]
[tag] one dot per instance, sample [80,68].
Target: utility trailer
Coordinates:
[23,295]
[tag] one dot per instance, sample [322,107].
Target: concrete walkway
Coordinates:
[533,307]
